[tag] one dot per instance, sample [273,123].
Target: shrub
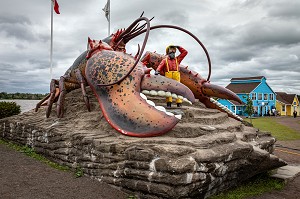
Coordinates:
[9,109]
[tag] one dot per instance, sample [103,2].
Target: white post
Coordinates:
[51,45]
[108,17]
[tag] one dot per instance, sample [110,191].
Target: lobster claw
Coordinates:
[212,90]
[123,105]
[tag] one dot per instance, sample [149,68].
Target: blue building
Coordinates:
[263,97]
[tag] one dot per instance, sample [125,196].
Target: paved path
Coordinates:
[291,122]
[22,177]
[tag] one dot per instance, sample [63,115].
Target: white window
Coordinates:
[283,108]
[233,109]
[259,96]
[265,96]
[255,109]
[253,96]
[271,96]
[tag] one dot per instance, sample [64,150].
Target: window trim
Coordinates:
[233,108]
[271,98]
[261,96]
[253,96]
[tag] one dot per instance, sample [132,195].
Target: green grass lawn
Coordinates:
[254,186]
[31,153]
[279,131]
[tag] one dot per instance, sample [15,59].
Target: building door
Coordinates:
[267,108]
[261,111]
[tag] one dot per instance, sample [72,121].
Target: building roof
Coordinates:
[285,98]
[247,78]
[242,88]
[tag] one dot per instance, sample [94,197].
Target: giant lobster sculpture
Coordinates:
[118,80]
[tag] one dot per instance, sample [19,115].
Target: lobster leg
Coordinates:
[38,105]
[82,82]
[65,83]
[53,84]
[61,99]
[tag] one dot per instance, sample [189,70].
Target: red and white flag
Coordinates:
[56,7]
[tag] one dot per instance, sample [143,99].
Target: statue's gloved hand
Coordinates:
[156,73]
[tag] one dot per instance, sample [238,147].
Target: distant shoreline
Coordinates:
[18,99]
[21,96]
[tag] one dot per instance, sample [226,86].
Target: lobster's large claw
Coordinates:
[202,88]
[205,92]
[122,104]
[219,92]
[162,85]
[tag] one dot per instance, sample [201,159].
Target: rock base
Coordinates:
[206,153]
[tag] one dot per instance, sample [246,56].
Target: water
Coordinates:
[26,105]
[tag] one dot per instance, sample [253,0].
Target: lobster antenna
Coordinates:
[142,14]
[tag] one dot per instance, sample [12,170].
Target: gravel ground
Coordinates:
[23,177]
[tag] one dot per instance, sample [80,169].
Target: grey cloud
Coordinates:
[41,64]
[218,31]
[8,19]
[268,33]
[280,63]
[248,3]
[19,31]
[21,28]
[6,67]
[20,46]
[283,9]
[17,26]
[237,54]
[180,18]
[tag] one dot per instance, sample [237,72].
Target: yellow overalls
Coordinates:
[173,75]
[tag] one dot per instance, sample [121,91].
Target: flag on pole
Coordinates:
[106,10]
[56,7]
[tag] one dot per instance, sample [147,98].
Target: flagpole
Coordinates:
[51,45]
[109,18]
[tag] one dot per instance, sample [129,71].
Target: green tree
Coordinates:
[249,108]
[8,109]
[29,96]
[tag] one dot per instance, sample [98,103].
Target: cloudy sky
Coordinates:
[243,37]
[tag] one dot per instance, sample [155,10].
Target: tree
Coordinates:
[8,109]
[249,108]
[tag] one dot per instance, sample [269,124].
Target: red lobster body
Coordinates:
[117,80]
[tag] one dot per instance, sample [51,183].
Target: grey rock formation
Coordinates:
[207,152]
